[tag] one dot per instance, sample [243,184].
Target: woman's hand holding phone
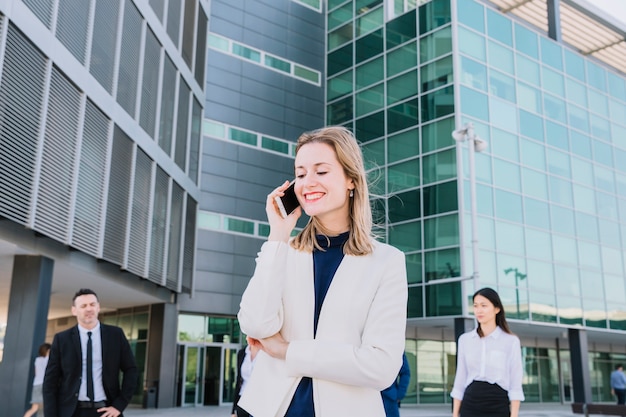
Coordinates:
[280,227]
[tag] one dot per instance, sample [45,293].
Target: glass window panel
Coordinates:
[551,53]
[404,206]
[576,92]
[558,163]
[369,46]
[484,199]
[556,135]
[473,74]
[340,16]
[531,125]
[415,307]
[561,191]
[604,178]
[441,264]
[441,231]
[414,268]
[406,237]
[592,284]
[370,127]
[278,64]
[370,100]
[505,145]
[374,154]
[617,86]
[339,60]
[370,73]
[275,145]
[586,226]
[596,76]
[540,275]
[509,239]
[340,111]
[403,145]
[528,70]
[574,65]
[614,285]
[474,104]
[537,213]
[501,57]
[334,3]
[553,81]
[483,167]
[581,144]
[362,6]
[502,86]
[401,29]
[594,312]
[218,42]
[602,153]
[436,74]
[600,127]
[402,116]
[533,154]
[570,308]
[246,52]
[340,85]
[563,220]
[616,314]
[554,108]
[526,41]
[509,206]
[472,44]
[369,22]
[402,87]
[598,102]
[535,184]
[438,104]
[529,98]
[538,244]
[434,14]
[340,36]
[618,111]
[439,166]
[403,176]
[499,27]
[190,328]
[440,43]
[503,114]
[578,118]
[609,232]
[543,307]
[620,181]
[242,136]
[564,249]
[582,171]
[472,14]
[607,205]
[440,198]
[401,59]
[612,261]
[584,199]
[487,238]
[506,175]
[437,135]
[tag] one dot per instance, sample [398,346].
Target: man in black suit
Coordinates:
[68,389]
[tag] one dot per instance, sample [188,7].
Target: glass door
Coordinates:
[190,378]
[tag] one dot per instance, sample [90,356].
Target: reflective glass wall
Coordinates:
[551,187]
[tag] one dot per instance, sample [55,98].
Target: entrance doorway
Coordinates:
[206,374]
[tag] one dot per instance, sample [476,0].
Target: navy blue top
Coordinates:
[325,264]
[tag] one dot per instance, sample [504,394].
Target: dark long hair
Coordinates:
[491,295]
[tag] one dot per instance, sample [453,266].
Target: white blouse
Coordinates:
[496,359]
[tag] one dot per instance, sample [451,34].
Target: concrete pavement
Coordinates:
[429,410]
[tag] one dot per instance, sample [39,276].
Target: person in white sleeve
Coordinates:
[41,361]
[489,371]
[327,307]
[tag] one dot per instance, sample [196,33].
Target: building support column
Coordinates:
[579,355]
[554,20]
[162,355]
[462,325]
[27,321]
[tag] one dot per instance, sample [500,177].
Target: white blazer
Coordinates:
[360,334]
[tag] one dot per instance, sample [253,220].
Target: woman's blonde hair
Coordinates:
[348,152]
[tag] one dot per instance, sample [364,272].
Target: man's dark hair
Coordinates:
[83,291]
[619,365]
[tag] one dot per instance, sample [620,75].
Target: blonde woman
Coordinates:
[328,307]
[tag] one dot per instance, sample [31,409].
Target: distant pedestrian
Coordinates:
[489,369]
[618,384]
[393,394]
[40,369]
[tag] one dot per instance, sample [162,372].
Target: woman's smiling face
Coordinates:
[322,186]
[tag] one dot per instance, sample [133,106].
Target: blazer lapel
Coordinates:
[77,348]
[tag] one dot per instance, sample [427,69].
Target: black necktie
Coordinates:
[89,368]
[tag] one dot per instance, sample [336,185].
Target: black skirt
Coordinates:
[482,399]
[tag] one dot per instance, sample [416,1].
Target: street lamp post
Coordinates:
[476,144]
[518,277]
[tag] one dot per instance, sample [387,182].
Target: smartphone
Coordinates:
[288,202]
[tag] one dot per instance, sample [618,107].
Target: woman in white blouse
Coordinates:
[488,381]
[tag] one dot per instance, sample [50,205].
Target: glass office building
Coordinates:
[550,189]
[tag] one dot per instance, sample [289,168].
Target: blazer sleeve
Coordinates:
[374,360]
[52,379]
[261,310]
